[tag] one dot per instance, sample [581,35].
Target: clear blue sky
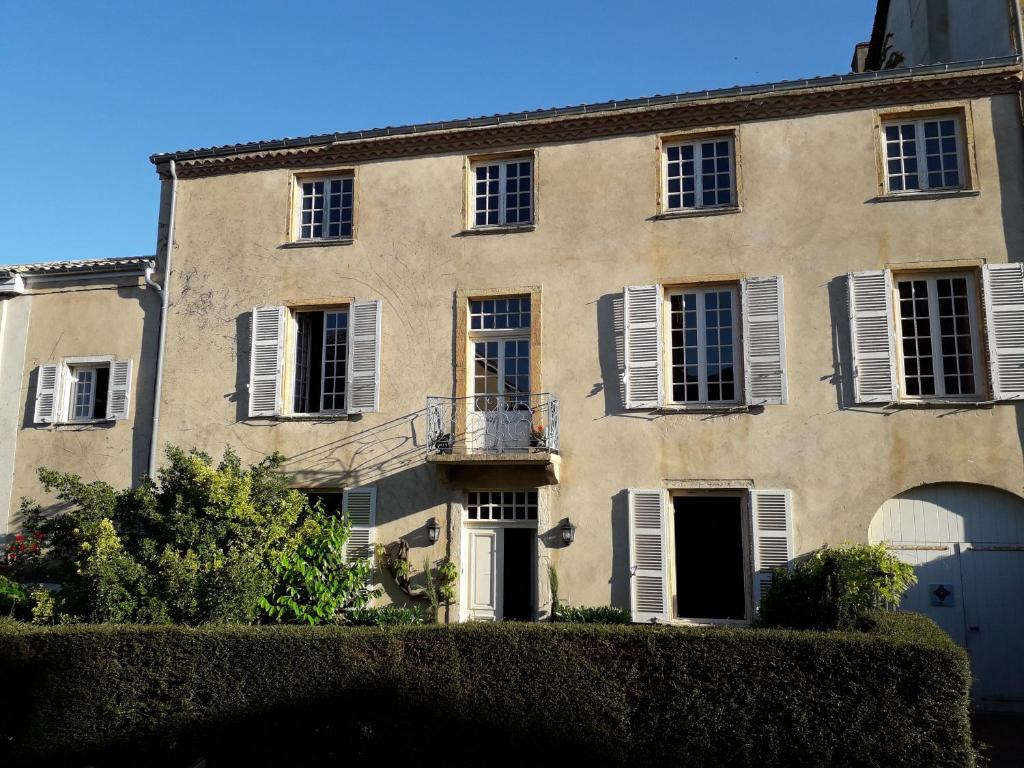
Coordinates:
[88,90]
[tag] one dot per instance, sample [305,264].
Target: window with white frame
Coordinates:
[938,329]
[87,392]
[700,174]
[924,154]
[502,505]
[321,359]
[502,192]
[703,345]
[500,337]
[325,208]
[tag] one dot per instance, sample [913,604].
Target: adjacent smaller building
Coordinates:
[77,366]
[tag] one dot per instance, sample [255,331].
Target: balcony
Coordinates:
[471,438]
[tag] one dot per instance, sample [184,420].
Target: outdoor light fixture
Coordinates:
[434,530]
[568,532]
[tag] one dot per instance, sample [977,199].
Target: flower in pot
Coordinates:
[538,436]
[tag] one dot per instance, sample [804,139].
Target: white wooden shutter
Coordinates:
[1004,321]
[642,306]
[648,556]
[360,505]
[364,357]
[764,341]
[869,296]
[48,383]
[773,536]
[266,361]
[120,390]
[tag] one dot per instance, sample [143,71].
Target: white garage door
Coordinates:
[966,543]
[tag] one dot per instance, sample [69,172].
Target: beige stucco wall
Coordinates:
[808,214]
[75,317]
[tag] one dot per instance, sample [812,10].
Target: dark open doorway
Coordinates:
[709,557]
[520,544]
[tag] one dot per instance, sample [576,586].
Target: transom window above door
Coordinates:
[502,192]
[703,329]
[700,174]
[512,313]
[924,155]
[325,207]
[938,329]
[502,505]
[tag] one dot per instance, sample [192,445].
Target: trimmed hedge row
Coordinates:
[112,695]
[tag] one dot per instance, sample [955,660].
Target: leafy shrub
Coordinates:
[603,614]
[538,693]
[202,543]
[314,582]
[833,587]
[384,616]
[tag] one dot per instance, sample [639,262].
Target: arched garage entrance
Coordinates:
[966,543]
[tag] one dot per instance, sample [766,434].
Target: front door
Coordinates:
[501,417]
[501,566]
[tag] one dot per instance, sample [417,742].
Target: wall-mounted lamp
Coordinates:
[433,530]
[568,532]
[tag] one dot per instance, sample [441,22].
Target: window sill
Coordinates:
[313,417]
[892,197]
[503,229]
[944,403]
[318,243]
[720,409]
[87,423]
[697,213]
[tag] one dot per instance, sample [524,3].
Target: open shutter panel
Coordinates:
[266,361]
[764,341]
[869,295]
[120,390]
[364,357]
[642,304]
[360,505]
[648,560]
[1004,320]
[773,537]
[48,393]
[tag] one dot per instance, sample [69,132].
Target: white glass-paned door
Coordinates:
[501,417]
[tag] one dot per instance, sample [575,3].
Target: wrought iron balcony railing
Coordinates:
[518,423]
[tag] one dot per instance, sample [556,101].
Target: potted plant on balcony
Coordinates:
[538,436]
[443,442]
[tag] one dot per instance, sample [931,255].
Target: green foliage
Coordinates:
[833,587]
[201,544]
[385,616]
[314,582]
[12,595]
[553,584]
[44,608]
[603,614]
[522,692]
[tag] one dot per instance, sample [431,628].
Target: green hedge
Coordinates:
[133,695]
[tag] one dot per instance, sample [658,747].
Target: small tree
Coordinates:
[833,587]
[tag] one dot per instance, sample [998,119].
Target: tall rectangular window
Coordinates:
[703,345]
[502,193]
[321,357]
[325,210]
[923,155]
[700,174]
[87,398]
[938,327]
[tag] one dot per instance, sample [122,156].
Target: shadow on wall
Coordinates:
[619,582]
[611,350]
[145,372]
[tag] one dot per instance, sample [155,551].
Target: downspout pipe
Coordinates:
[165,294]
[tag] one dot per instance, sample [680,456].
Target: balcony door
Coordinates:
[500,417]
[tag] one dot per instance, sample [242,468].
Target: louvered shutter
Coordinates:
[648,556]
[120,389]
[364,357]
[360,506]
[869,295]
[764,341]
[266,362]
[642,304]
[773,537]
[48,381]
[1004,320]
